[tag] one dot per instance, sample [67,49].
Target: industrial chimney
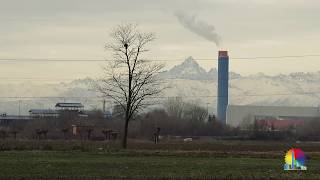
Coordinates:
[223,82]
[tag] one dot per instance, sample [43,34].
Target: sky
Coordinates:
[79,29]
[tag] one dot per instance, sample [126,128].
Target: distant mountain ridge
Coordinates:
[188,80]
[191,70]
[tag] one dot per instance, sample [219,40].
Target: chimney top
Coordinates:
[223,53]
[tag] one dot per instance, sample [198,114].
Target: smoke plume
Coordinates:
[198,27]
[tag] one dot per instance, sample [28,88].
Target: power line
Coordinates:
[278,57]
[155,97]
[160,59]
[33,78]
[53,60]
[71,79]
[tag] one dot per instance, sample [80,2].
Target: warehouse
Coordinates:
[237,114]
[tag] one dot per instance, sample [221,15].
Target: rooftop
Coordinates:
[69,105]
[281,124]
[43,111]
[10,117]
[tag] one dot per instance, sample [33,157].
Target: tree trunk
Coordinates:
[65,135]
[89,134]
[124,140]
[127,117]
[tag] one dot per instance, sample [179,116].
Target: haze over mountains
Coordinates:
[188,80]
[191,70]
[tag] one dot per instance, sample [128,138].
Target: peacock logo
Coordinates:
[295,160]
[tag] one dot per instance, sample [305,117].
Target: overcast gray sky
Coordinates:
[78,29]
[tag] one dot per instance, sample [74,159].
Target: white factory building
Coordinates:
[236,114]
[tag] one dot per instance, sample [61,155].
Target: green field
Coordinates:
[147,163]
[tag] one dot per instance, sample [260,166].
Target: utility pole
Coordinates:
[19,108]
[208,115]
[104,105]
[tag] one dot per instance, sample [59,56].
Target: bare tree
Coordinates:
[175,107]
[130,79]
[195,112]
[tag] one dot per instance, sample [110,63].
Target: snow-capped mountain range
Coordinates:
[188,80]
[191,70]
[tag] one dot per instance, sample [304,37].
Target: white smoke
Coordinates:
[198,27]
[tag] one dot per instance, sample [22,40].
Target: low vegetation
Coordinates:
[48,149]
[166,160]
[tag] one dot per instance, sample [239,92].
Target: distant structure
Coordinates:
[276,125]
[42,113]
[107,115]
[223,83]
[236,114]
[69,107]
[6,120]
[62,110]
[70,110]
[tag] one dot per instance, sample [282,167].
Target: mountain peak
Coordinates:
[189,69]
[189,59]
[190,62]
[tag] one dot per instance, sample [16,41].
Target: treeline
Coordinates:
[309,130]
[175,119]
[180,118]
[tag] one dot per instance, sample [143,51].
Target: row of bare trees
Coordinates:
[180,109]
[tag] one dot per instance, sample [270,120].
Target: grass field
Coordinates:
[245,161]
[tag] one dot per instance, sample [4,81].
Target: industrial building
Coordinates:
[5,120]
[42,113]
[76,109]
[69,107]
[237,114]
